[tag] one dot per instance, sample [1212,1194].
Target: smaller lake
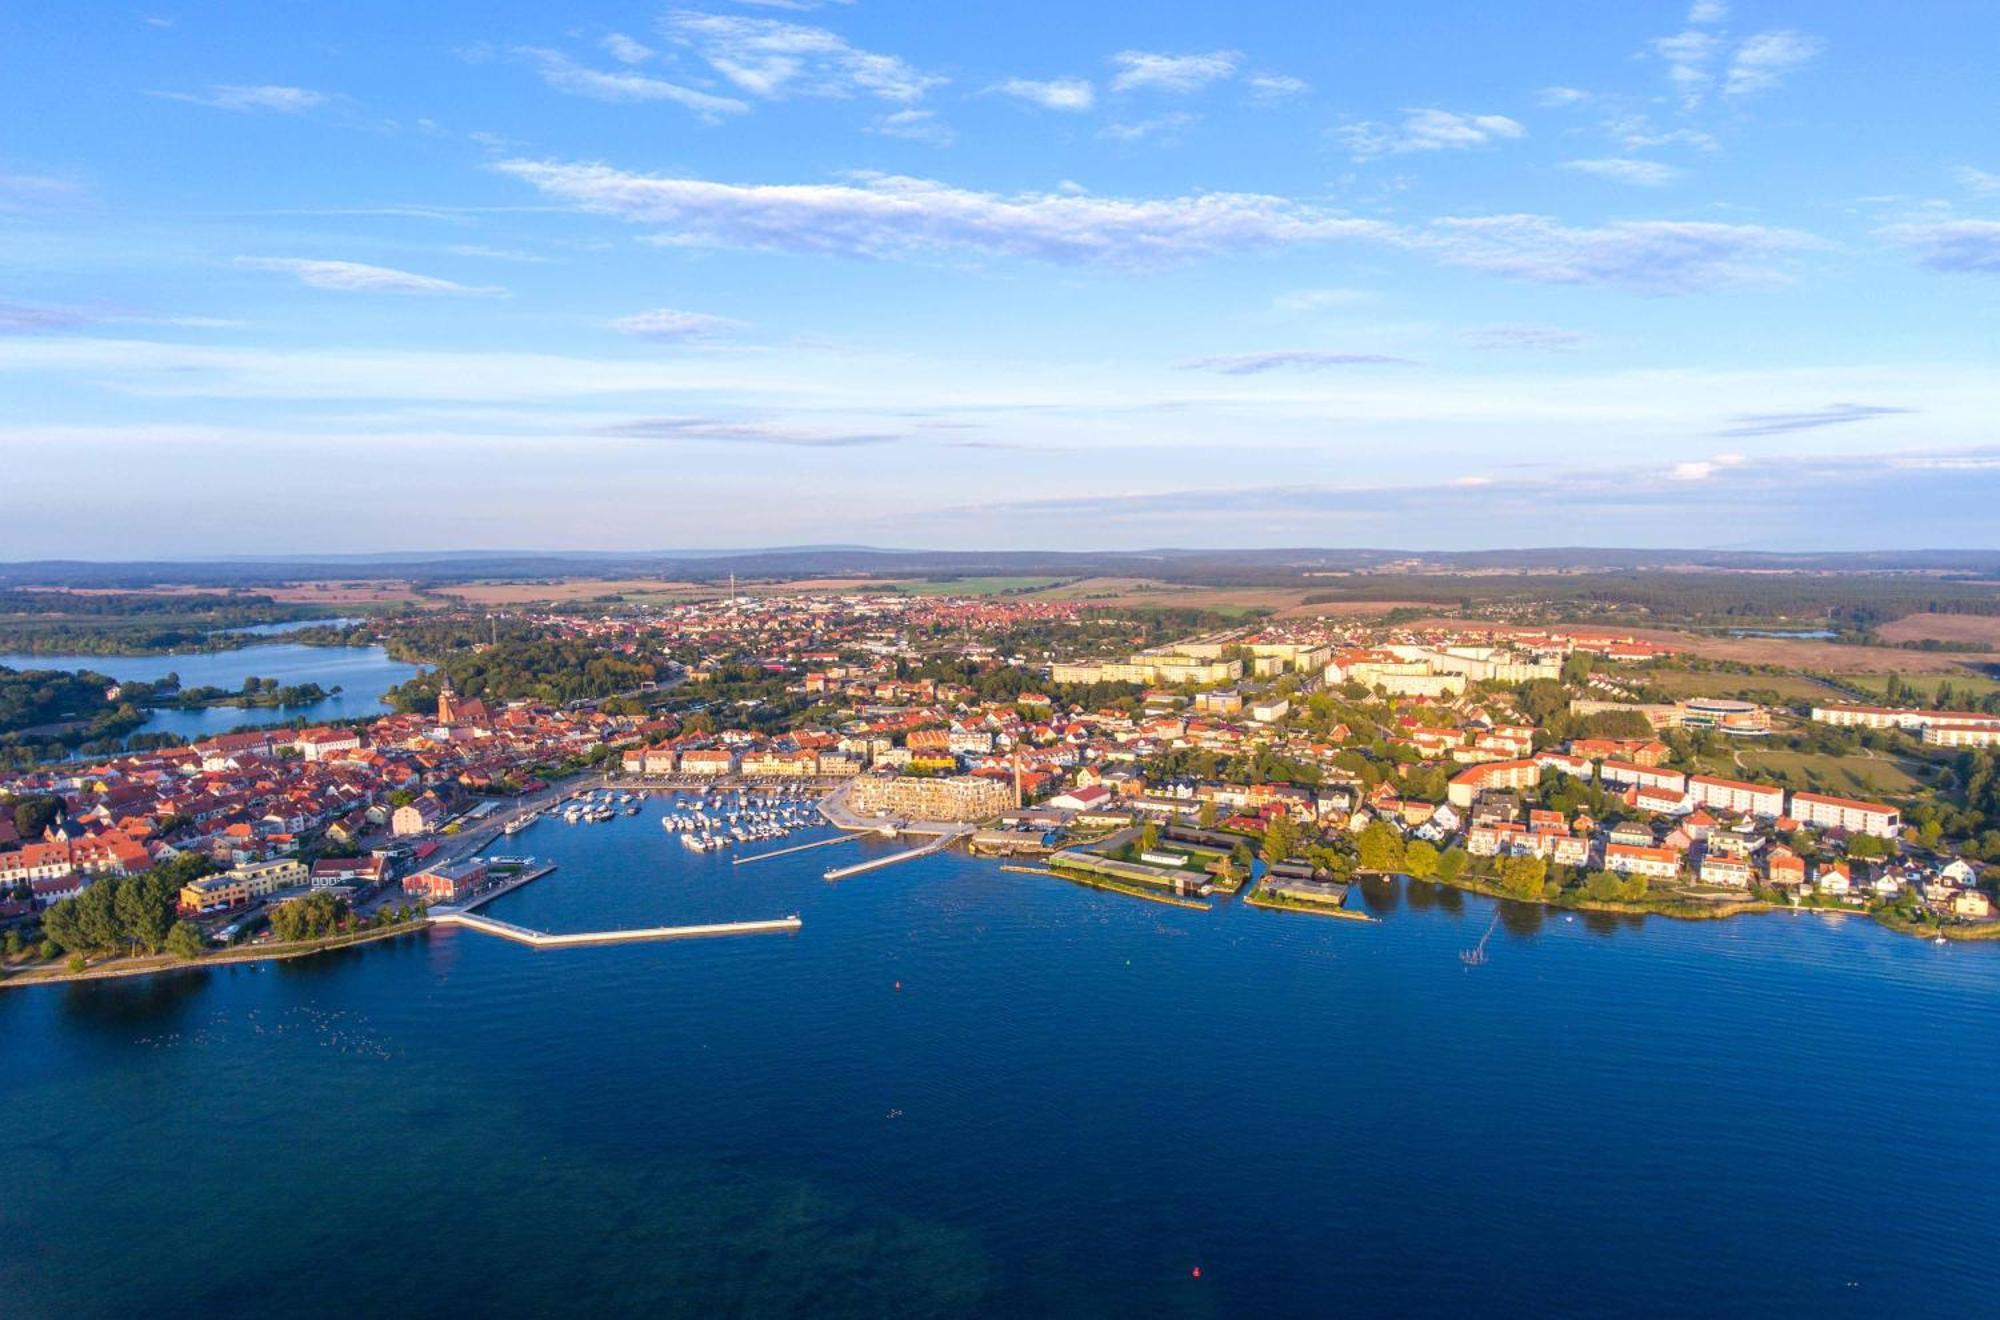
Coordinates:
[363,673]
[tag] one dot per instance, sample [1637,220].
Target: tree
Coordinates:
[185,940]
[32,815]
[1420,860]
[1452,865]
[1380,847]
[1281,839]
[1206,816]
[1521,877]
[1149,837]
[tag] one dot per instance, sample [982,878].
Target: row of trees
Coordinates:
[129,914]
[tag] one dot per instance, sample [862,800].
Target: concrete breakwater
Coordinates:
[540,939]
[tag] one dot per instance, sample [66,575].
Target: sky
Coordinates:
[292,277]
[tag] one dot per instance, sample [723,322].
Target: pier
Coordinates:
[938,844]
[795,848]
[541,939]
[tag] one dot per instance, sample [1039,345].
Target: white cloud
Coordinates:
[1299,359]
[1762,61]
[1645,256]
[1426,130]
[355,277]
[1703,468]
[1708,11]
[1643,173]
[1073,94]
[914,126]
[1978,180]
[668,323]
[1540,338]
[894,215]
[1554,97]
[625,50]
[567,76]
[772,59]
[280,100]
[882,215]
[1178,74]
[1688,55]
[1952,246]
[1315,300]
[1137,130]
[1266,88]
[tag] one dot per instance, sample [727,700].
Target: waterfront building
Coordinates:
[925,797]
[1876,818]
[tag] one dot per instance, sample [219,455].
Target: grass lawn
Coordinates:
[1964,682]
[1847,776]
[1787,687]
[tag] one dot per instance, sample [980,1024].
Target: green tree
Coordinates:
[1420,860]
[1380,847]
[1521,877]
[1281,839]
[185,940]
[1452,865]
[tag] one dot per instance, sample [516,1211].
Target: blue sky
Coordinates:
[288,276]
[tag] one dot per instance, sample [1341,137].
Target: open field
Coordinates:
[1964,682]
[570,589]
[1144,593]
[972,586]
[1850,776]
[1788,687]
[1944,628]
[343,593]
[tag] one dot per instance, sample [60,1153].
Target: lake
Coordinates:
[960,1091]
[363,673]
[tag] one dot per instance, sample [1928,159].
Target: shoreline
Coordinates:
[1721,910]
[160,964]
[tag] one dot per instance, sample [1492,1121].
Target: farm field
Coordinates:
[1785,653]
[972,586]
[569,589]
[1282,602]
[1965,683]
[1944,628]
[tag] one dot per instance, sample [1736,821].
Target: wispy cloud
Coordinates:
[1176,74]
[1689,56]
[623,87]
[1541,338]
[1834,414]
[889,215]
[1646,256]
[1296,359]
[772,59]
[34,192]
[744,433]
[1623,169]
[24,318]
[279,100]
[667,323]
[893,215]
[1984,182]
[914,126]
[356,277]
[1701,469]
[1952,246]
[1268,88]
[1708,11]
[1556,97]
[1072,94]
[1426,130]
[625,50]
[1158,126]
[1762,61]
[1317,300]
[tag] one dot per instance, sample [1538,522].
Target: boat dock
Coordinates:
[541,939]
[795,848]
[938,844]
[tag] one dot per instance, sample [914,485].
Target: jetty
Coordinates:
[542,939]
[938,844]
[795,848]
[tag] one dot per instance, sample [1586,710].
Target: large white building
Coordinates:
[1876,818]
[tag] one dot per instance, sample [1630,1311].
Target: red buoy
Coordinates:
[1197,1271]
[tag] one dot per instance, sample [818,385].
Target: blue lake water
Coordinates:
[363,673]
[962,1091]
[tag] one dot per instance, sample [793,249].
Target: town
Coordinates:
[1284,759]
